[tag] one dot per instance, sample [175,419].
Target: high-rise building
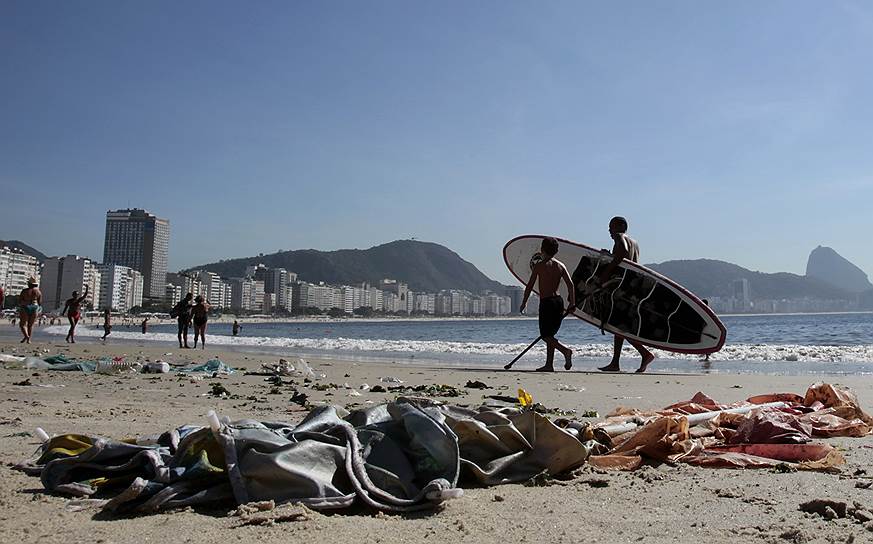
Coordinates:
[515,294]
[139,240]
[276,282]
[63,275]
[121,287]
[15,267]
[742,295]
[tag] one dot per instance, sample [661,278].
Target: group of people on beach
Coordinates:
[550,272]
[187,312]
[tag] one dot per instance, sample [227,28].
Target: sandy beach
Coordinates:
[653,504]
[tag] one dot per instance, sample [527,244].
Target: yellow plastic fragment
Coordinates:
[524,398]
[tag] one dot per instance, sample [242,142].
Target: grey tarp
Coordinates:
[405,455]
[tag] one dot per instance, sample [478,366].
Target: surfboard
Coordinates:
[636,303]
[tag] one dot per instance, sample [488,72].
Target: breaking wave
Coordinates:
[442,348]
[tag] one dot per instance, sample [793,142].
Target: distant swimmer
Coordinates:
[624,247]
[29,308]
[236,327]
[550,272]
[74,314]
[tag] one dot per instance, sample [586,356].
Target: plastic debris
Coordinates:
[524,398]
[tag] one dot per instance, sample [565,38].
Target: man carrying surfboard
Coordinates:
[550,272]
[624,247]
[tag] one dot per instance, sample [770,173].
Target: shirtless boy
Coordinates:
[73,304]
[550,272]
[625,247]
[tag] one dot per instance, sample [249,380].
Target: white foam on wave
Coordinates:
[731,352]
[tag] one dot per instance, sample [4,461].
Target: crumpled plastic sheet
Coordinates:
[764,437]
[409,454]
[211,366]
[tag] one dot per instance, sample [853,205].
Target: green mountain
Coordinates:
[424,266]
[707,278]
[15,244]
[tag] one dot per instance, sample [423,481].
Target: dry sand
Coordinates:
[654,504]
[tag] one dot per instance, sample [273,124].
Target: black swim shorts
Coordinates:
[551,312]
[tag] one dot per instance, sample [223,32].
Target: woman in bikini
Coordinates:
[73,304]
[200,313]
[29,308]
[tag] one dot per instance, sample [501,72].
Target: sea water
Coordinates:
[808,343]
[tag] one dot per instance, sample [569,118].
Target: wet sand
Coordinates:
[654,504]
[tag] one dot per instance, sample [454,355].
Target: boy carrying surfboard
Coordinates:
[550,271]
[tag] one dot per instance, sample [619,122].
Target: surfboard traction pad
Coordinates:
[638,303]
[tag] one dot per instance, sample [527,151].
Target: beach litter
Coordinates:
[390,379]
[217,389]
[299,398]
[156,367]
[212,366]
[471,384]
[325,458]
[116,365]
[565,387]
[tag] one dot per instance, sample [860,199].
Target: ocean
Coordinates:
[776,343]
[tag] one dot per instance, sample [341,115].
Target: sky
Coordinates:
[739,131]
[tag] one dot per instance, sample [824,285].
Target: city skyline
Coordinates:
[736,133]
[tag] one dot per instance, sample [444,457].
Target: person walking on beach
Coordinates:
[74,314]
[29,308]
[107,323]
[624,247]
[200,315]
[182,312]
[236,327]
[550,271]
[145,325]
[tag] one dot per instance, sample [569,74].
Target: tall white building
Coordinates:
[425,303]
[63,275]
[121,287]
[323,297]
[15,267]
[214,289]
[173,294]
[497,304]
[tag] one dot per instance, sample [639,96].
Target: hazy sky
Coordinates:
[740,131]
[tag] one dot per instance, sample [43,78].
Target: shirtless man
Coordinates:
[625,247]
[29,308]
[182,311]
[73,304]
[550,272]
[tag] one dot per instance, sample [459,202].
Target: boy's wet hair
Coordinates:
[619,222]
[550,246]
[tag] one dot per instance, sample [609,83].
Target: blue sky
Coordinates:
[740,131]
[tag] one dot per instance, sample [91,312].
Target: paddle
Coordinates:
[532,344]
